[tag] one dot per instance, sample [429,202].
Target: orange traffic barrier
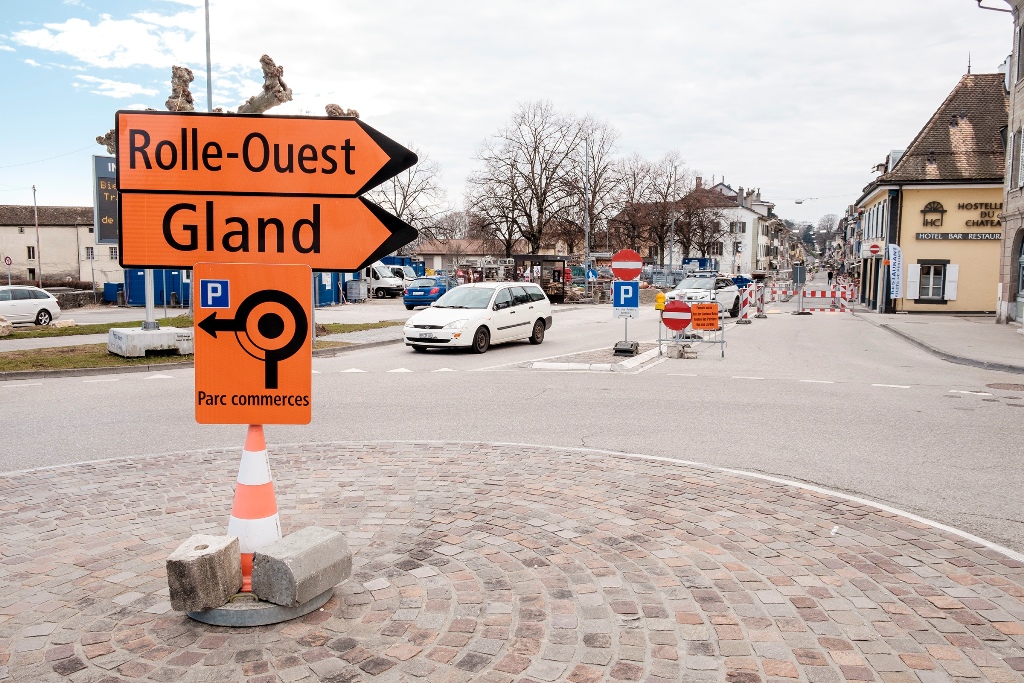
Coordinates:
[254,517]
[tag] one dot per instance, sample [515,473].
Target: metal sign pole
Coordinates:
[150,323]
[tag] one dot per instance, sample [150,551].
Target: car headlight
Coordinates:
[456,324]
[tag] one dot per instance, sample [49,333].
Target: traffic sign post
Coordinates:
[254,352]
[8,262]
[626,305]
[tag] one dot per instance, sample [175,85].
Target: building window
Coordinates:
[113,253]
[932,279]
[31,253]
[1020,35]
[91,230]
[737,227]
[716,249]
[89,254]
[31,273]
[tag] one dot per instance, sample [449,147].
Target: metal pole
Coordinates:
[39,256]
[165,291]
[151,323]
[586,216]
[209,68]
[671,241]
[313,326]
[92,273]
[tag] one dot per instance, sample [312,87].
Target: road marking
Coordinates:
[353,370]
[972,393]
[892,386]
[33,384]
[159,377]
[682,374]
[743,377]
[443,370]
[109,379]
[400,370]
[817,381]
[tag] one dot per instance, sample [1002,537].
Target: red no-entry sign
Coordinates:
[627,264]
[676,315]
[874,249]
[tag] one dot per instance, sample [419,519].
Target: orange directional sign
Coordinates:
[253,348]
[253,154]
[327,233]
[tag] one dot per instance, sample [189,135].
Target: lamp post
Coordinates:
[39,256]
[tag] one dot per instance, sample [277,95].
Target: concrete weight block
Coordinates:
[204,572]
[300,566]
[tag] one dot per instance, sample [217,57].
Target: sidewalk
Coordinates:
[505,564]
[964,339]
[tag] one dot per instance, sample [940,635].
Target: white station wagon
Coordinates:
[24,304]
[480,314]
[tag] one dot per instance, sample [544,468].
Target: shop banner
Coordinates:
[895,255]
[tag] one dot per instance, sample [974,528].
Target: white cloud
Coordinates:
[116,89]
[32,62]
[7,48]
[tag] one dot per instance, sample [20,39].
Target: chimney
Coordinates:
[699,179]
[739,197]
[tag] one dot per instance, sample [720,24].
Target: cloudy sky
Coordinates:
[798,97]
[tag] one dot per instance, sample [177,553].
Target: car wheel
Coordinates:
[481,340]
[379,293]
[409,307]
[735,310]
[538,332]
[418,347]
[43,317]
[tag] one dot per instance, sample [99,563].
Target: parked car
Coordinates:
[406,273]
[424,291]
[23,304]
[705,288]
[480,314]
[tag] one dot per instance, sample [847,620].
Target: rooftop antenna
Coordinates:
[968,63]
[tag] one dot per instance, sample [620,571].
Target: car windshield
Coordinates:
[383,272]
[465,297]
[697,283]
[409,272]
[424,282]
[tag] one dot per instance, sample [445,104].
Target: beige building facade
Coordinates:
[1011,253]
[66,251]
[931,226]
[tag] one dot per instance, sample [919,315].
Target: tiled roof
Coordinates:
[962,140]
[48,215]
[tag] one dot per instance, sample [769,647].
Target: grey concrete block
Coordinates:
[300,566]
[204,572]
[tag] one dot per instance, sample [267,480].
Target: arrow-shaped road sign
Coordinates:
[327,233]
[197,153]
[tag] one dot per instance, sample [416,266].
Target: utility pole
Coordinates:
[209,68]
[39,256]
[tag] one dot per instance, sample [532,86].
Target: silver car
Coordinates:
[708,289]
[22,304]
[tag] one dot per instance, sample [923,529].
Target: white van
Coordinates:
[382,281]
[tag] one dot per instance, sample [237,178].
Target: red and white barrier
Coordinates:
[746,300]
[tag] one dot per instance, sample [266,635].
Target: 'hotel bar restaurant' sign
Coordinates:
[966,236]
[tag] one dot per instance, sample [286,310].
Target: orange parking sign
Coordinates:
[253,347]
[705,316]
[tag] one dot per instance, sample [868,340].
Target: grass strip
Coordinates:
[341,328]
[97,328]
[81,356]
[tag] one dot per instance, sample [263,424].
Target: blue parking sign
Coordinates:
[215,293]
[626,299]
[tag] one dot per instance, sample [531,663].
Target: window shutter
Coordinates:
[913,290]
[1018,139]
[952,275]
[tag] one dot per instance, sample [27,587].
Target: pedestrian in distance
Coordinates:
[830,278]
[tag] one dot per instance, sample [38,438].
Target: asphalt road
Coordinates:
[828,399]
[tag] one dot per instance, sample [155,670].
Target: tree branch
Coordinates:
[181,96]
[334,110]
[275,90]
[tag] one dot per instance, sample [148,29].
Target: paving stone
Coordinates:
[592,567]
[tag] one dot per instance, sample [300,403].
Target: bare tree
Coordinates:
[701,225]
[415,195]
[527,162]
[592,183]
[669,181]
[181,96]
[629,227]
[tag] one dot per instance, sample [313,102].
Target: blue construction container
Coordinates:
[110,290]
[165,283]
[418,266]
[327,291]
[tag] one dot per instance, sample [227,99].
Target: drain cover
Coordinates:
[1006,387]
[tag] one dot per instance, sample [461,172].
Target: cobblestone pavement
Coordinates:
[479,562]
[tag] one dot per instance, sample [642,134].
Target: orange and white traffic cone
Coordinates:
[254,517]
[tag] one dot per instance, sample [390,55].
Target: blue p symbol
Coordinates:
[215,293]
[625,293]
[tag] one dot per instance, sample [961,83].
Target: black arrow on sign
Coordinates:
[212,325]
